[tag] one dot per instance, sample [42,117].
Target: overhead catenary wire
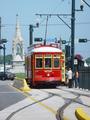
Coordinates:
[57,24]
[86,3]
[44,19]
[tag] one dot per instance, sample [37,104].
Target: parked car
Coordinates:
[8,75]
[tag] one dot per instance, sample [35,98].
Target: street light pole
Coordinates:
[31,34]
[72,34]
[31,29]
[2,46]
[4,59]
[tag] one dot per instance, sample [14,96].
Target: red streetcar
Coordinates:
[44,65]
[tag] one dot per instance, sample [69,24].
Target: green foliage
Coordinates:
[8,59]
[20,75]
[1,59]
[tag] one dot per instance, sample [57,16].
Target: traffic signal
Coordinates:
[83,40]
[38,39]
[1,47]
[67,51]
[63,41]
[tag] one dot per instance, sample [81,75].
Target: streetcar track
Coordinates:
[81,103]
[36,101]
[56,94]
[69,101]
[74,92]
[59,112]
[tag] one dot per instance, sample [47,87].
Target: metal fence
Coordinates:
[84,77]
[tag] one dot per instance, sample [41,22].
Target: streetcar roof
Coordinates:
[46,49]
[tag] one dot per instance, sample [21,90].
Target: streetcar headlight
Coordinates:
[48,74]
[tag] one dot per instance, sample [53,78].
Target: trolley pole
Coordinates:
[72,33]
[46,31]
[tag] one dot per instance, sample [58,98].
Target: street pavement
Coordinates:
[30,109]
[9,96]
[82,102]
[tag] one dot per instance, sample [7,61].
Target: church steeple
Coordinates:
[17,47]
[18,31]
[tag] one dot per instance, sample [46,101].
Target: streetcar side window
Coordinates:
[38,62]
[47,62]
[56,62]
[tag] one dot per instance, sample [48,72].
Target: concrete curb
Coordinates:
[81,115]
[21,84]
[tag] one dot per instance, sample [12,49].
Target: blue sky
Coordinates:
[26,9]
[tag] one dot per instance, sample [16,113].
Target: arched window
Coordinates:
[18,49]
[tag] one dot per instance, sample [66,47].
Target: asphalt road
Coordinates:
[9,95]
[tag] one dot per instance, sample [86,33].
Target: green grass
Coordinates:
[20,75]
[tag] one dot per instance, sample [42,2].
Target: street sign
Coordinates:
[75,61]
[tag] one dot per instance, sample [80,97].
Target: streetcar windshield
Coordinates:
[48,61]
[38,62]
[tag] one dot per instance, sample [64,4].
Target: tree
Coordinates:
[8,59]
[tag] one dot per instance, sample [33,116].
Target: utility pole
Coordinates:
[31,29]
[31,34]
[4,60]
[72,33]
[0,28]
[0,37]
[2,46]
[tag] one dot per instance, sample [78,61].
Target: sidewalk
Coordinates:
[82,102]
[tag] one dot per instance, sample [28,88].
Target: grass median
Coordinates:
[20,75]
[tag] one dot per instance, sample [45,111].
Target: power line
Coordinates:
[26,25]
[86,3]
[86,23]
[63,21]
